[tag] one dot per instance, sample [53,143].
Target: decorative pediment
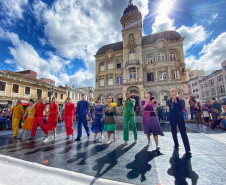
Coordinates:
[109,54]
[161,43]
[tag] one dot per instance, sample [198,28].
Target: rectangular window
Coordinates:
[172,56]
[119,65]
[225,68]
[2,86]
[211,82]
[222,89]
[102,67]
[150,59]
[102,82]
[220,78]
[110,65]
[110,81]
[197,90]
[119,80]
[161,57]
[150,77]
[73,95]
[213,92]
[56,95]
[175,75]
[27,90]
[61,96]
[39,92]
[69,94]
[162,75]
[132,74]
[15,88]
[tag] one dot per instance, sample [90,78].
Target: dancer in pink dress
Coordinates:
[150,121]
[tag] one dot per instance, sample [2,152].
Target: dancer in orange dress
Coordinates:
[29,121]
[52,119]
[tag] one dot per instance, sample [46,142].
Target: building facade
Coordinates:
[194,88]
[213,86]
[15,86]
[139,63]
[76,93]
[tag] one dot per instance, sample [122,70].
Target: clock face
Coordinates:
[131,22]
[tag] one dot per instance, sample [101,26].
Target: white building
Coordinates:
[194,88]
[213,86]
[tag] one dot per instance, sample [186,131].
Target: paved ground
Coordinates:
[135,163]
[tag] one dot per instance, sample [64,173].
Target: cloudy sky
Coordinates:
[58,38]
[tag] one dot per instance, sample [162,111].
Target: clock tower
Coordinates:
[131,22]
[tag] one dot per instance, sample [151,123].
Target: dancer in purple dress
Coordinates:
[150,121]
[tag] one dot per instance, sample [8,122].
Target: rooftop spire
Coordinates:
[130,2]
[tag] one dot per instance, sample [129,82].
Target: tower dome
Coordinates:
[131,8]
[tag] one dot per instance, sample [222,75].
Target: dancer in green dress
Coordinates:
[129,117]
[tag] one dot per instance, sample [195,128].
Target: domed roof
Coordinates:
[146,40]
[131,8]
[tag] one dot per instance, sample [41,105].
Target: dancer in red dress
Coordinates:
[69,112]
[52,120]
[38,118]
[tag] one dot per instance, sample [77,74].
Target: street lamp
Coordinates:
[50,93]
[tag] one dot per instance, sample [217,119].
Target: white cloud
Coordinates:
[211,56]
[212,18]
[25,57]
[190,34]
[163,23]
[12,10]
[78,28]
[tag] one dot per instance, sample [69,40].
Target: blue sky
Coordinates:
[58,38]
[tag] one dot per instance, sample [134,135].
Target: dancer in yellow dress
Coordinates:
[29,121]
[17,114]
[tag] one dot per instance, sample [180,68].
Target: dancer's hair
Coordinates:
[31,100]
[111,98]
[53,97]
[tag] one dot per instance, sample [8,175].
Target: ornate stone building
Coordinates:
[139,63]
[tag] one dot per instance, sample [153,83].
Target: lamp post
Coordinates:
[50,93]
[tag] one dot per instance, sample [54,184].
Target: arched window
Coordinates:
[150,59]
[161,57]
[119,65]
[131,55]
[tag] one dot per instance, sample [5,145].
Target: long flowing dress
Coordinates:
[97,125]
[109,121]
[30,118]
[52,120]
[150,121]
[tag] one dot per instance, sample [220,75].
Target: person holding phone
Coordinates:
[176,105]
[129,117]
[150,120]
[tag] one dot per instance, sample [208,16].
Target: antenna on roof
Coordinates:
[130,2]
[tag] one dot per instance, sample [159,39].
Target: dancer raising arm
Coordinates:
[150,121]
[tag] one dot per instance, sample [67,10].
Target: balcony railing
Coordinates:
[132,62]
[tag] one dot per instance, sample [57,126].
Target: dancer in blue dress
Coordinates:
[98,122]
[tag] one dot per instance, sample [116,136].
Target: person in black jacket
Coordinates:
[176,104]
